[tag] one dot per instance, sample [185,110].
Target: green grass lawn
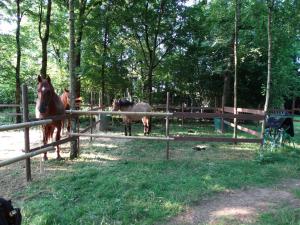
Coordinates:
[130,182]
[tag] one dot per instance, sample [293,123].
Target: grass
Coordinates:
[130,182]
[285,216]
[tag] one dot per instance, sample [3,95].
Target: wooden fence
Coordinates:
[204,113]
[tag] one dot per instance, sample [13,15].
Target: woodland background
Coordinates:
[153,47]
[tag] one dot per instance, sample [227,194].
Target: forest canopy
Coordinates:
[153,47]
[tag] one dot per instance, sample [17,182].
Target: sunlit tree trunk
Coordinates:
[104,58]
[18,63]
[270,4]
[236,34]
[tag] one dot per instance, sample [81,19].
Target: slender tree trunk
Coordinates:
[78,42]
[74,149]
[104,56]
[270,4]
[45,38]
[18,82]
[236,34]
[270,9]
[226,86]
[150,76]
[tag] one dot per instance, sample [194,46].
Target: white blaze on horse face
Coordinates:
[43,89]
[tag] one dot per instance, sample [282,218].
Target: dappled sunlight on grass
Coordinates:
[106,145]
[131,182]
[233,211]
[171,206]
[98,156]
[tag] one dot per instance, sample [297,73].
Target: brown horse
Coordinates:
[65,98]
[49,104]
[125,105]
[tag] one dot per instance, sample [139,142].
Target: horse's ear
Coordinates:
[66,90]
[48,79]
[39,78]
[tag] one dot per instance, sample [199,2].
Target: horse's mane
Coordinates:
[125,102]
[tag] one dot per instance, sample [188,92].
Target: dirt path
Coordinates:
[240,206]
[13,177]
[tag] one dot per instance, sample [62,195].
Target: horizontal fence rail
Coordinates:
[26,124]
[9,105]
[121,137]
[217,139]
[245,129]
[218,115]
[81,112]
[62,141]
[25,156]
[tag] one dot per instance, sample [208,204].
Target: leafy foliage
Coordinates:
[165,44]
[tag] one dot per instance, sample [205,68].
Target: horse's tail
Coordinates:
[48,132]
[150,118]
[150,126]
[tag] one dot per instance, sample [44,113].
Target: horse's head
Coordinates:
[45,93]
[116,105]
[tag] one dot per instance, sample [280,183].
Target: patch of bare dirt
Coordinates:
[13,176]
[240,206]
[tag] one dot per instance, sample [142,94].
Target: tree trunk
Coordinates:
[150,76]
[45,38]
[18,82]
[270,9]
[270,4]
[74,148]
[104,55]
[226,86]
[77,46]
[236,34]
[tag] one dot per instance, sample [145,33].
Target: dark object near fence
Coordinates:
[218,124]
[284,122]
[8,214]
[279,131]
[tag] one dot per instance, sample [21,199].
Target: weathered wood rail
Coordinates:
[183,112]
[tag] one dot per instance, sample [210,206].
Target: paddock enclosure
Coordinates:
[190,151]
[220,117]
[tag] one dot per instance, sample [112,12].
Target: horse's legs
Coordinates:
[125,127]
[45,139]
[149,124]
[146,125]
[57,139]
[63,126]
[129,129]
[69,125]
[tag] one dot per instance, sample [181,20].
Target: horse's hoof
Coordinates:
[45,158]
[59,158]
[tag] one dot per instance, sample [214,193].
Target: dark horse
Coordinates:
[49,104]
[125,105]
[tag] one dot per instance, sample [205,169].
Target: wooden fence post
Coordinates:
[26,131]
[91,116]
[182,110]
[222,120]
[293,106]
[167,127]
